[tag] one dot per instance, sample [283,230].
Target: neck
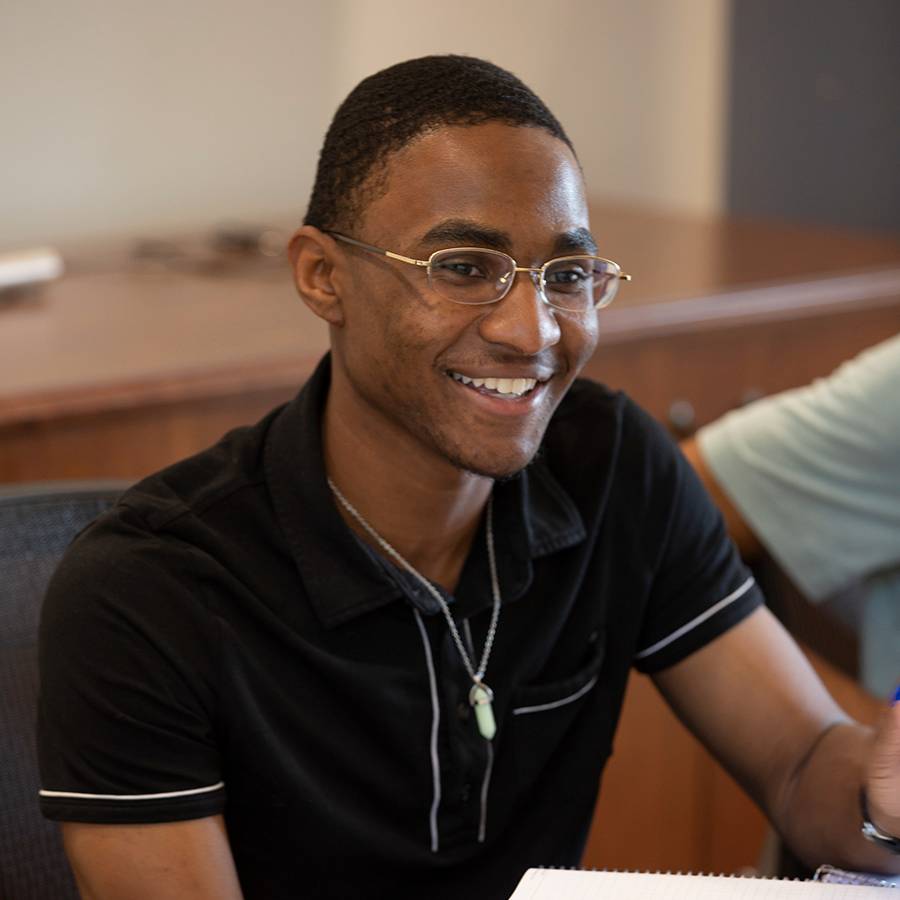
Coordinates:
[426,508]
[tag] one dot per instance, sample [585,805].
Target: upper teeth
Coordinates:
[516,386]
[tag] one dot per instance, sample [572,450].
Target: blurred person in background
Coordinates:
[813,476]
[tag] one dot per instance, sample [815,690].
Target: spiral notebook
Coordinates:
[574,884]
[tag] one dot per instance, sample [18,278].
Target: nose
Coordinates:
[522,321]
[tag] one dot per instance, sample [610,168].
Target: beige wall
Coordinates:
[638,84]
[121,115]
[126,118]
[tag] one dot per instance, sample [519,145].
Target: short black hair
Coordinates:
[387,110]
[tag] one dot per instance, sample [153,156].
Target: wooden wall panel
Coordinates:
[718,370]
[127,443]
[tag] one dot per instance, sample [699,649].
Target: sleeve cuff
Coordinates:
[114,809]
[701,630]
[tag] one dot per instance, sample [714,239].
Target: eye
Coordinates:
[569,276]
[460,268]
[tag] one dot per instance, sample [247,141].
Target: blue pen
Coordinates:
[897,694]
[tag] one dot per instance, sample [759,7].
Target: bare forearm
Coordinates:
[818,810]
[188,860]
[753,699]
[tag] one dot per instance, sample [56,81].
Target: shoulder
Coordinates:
[863,394]
[196,484]
[851,413]
[591,408]
[612,457]
[596,423]
[162,541]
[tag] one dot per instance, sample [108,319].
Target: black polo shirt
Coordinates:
[220,642]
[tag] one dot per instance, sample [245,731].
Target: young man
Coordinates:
[378,642]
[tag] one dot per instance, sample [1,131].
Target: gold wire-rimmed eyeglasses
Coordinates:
[475,276]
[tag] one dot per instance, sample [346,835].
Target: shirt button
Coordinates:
[463,711]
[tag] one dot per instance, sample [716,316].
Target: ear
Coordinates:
[315,263]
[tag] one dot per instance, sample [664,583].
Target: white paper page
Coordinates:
[559,884]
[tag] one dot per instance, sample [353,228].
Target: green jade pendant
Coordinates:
[480,698]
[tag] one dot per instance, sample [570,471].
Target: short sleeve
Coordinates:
[815,472]
[699,587]
[127,706]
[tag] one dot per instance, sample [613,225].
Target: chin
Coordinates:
[501,466]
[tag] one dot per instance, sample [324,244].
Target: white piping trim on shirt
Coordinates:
[570,699]
[163,796]
[489,765]
[679,632]
[485,785]
[435,723]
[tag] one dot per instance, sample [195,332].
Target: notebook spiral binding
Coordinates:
[825,873]
[736,875]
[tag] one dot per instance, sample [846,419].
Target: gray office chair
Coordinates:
[37,522]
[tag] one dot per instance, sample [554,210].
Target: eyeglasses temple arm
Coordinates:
[371,248]
[406,259]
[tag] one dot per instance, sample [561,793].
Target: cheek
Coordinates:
[579,338]
[392,331]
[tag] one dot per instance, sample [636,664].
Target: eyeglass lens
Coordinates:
[484,276]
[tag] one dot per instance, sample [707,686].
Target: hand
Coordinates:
[883,774]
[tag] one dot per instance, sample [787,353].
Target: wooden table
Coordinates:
[126,365]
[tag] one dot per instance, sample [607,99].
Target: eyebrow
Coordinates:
[578,240]
[467,233]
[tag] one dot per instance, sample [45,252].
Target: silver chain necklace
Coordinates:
[480,695]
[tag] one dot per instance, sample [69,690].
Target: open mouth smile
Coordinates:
[510,388]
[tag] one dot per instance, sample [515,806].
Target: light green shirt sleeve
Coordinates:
[816,472]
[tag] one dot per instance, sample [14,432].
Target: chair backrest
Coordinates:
[37,522]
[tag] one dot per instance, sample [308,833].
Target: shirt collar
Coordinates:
[533,516]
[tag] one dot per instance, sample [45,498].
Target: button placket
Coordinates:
[466,757]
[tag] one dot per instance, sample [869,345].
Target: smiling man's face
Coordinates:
[416,367]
